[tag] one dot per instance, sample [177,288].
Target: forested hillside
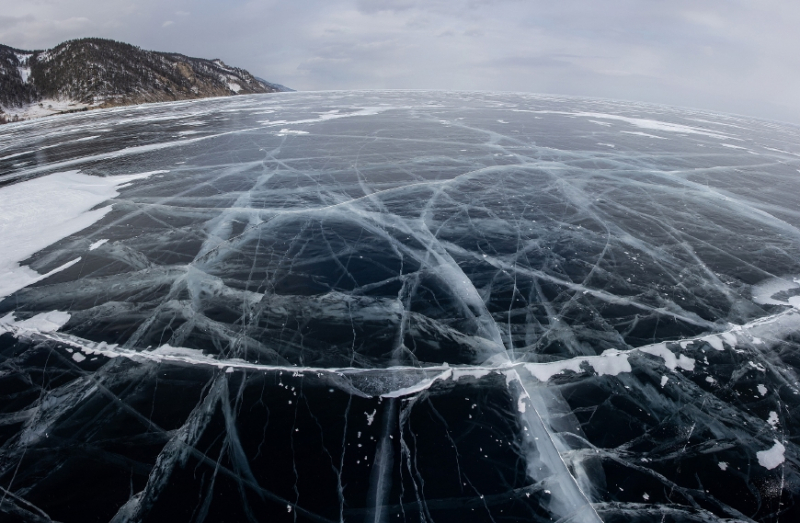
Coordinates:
[94,72]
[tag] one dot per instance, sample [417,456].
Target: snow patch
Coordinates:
[97,244]
[773,419]
[772,457]
[763,292]
[646,135]
[660,350]
[42,322]
[39,212]
[714,341]
[290,132]
[25,73]
[521,405]
[169,350]
[45,107]
[643,123]
[329,115]
[611,362]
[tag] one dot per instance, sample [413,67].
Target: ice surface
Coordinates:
[399,306]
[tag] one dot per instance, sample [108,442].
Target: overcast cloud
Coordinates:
[729,55]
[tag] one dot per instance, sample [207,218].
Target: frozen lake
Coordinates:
[399,307]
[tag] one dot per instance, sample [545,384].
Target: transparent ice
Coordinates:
[399,306]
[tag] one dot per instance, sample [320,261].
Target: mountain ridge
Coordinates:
[90,73]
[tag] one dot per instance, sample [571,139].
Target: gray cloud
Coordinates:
[7,22]
[728,55]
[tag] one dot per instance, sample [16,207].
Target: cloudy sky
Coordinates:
[740,56]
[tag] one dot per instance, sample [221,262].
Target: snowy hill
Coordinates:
[279,87]
[93,72]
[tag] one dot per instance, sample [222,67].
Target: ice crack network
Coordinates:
[399,306]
